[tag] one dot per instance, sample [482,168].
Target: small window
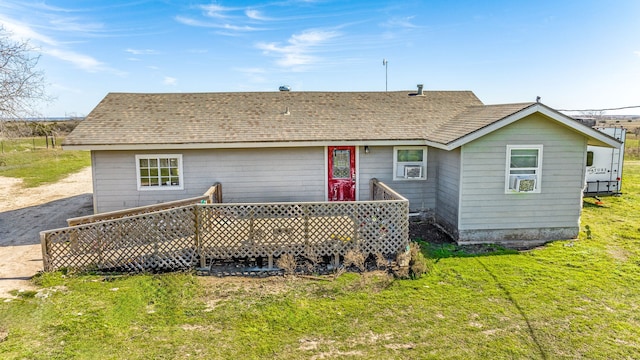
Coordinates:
[159,172]
[524,168]
[341,164]
[410,163]
[589,158]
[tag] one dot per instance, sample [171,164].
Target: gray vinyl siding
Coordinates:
[484,204]
[246,175]
[448,194]
[378,163]
[252,175]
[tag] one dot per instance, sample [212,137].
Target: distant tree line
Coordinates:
[17,129]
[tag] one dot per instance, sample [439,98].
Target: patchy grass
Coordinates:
[30,160]
[566,300]
[447,250]
[632,147]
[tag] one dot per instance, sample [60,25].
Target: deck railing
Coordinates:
[191,235]
[211,196]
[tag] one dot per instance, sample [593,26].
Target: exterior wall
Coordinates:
[265,175]
[378,163]
[448,193]
[487,214]
[250,175]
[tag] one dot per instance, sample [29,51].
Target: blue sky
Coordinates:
[574,54]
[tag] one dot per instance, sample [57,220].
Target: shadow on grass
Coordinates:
[593,204]
[451,250]
[515,303]
[436,244]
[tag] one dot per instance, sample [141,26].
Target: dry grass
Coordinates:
[355,258]
[287,262]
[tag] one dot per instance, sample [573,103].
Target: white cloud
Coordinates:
[70,24]
[238,27]
[255,15]
[401,22]
[52,47]
[299,48]
[142,51]
[228,19]
[84,62]
[171,81]
[216,11]
[198,51]
[637,53]
[21,32]
[227,26]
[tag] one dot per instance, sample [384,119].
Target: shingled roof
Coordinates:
[132,120]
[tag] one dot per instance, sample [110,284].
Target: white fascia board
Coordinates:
[492,127]
[252,145]
[594,136]
[598,137]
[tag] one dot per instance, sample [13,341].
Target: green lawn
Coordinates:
[30,160]
[632,148]
[566,300]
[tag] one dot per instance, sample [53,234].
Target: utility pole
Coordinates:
[384,63]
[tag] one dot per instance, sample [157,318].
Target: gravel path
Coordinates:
[24,212]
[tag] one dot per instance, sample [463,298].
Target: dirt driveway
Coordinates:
[26,212]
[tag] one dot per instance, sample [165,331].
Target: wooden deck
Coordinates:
[191,235]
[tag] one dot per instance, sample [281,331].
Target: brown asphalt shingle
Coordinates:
[474,119]
[244,117]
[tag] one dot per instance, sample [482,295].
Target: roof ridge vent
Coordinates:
[420,92]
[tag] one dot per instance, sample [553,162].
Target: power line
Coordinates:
[610,109]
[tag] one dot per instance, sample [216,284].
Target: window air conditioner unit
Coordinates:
[412,172]
[525,183]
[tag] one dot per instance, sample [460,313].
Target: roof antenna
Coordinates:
[538,99]
[384,63]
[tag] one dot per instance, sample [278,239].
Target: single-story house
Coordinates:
[509,173]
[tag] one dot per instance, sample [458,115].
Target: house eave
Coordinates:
[248,145]
[594,137]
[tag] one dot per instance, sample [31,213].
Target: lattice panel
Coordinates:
[178,238]
[260,230]
[162,240]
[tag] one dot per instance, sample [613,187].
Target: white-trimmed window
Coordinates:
[159,172]
[409,163]
[524,168]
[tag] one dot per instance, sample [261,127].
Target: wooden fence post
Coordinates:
[45,251]
[197,222]
[373,183]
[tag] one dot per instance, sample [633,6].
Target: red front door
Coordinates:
[342,173]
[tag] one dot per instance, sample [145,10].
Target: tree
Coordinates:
[21,84]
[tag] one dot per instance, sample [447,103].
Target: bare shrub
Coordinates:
[418,265]
[381,261]
[403,258]
[313,259]
[355,258]
[401,267]
[287,262]
[312,255]
[412,264]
